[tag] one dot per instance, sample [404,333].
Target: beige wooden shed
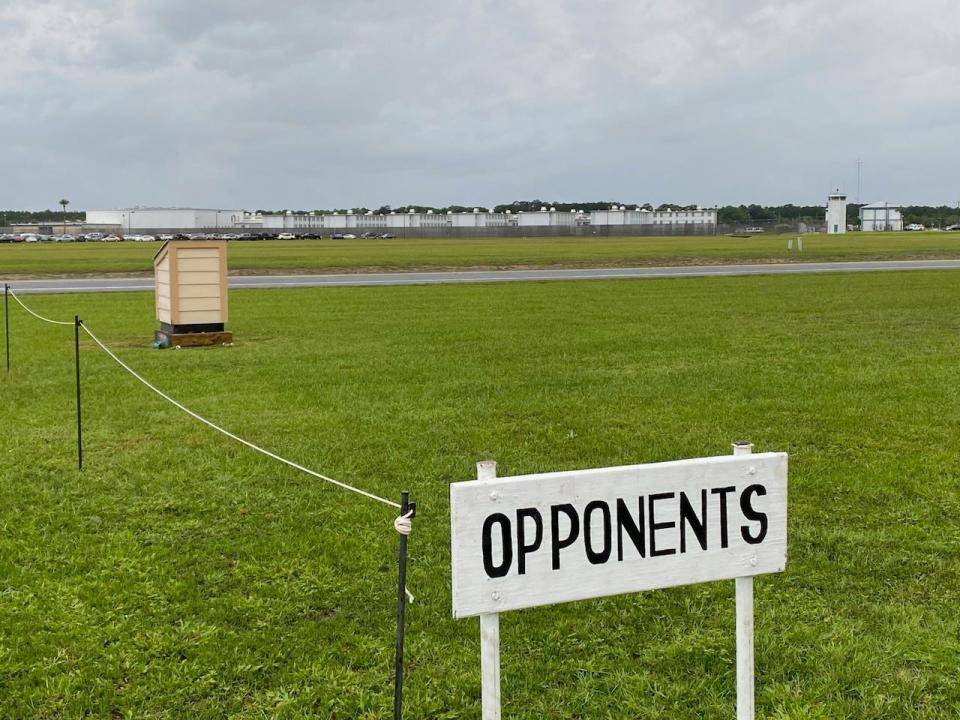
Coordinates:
[191,292]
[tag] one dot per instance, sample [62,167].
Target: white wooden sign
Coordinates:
[531,540]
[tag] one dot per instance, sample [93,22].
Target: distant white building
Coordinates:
[881,217]
[152,218]
[147,218]
[836,213]
[479,218]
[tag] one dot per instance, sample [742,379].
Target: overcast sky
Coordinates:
[313,104]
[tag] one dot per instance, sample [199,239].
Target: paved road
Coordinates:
[487,276]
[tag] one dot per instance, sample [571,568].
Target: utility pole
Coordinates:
[858,180]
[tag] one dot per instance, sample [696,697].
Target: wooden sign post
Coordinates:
[489,635]
[532,540]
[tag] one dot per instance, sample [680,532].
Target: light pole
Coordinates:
[63,203]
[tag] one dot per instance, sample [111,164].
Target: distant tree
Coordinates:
[63,204]
[733,215]
[760,213]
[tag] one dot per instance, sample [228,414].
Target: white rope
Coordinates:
[404,525]
[239,439]
[36,315]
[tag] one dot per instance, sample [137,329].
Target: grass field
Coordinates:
[181,575]
[399,254]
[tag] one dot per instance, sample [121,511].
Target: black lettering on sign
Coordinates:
[486,542]
[723,492]
[522,547]
[654,525]
[689,518]
[746,507]
[556,542]
[597,558]
[634,529]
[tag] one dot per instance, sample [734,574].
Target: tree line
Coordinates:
[9,217]
[928,215]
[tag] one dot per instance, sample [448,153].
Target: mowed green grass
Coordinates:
[411,254]
[181,575]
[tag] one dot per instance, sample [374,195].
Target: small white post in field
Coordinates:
[789,243]
[489,634]
[744,593]
[800,244]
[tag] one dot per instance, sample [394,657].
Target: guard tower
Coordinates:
[191,295]
[836,213]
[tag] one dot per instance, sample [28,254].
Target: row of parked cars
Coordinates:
[118,237]
[87,237]
[286,236]
[334,236]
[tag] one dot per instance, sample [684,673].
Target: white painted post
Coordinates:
[489,635]
[789,243]
[800,244]
[744,597]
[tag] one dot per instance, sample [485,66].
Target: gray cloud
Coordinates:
[316,104]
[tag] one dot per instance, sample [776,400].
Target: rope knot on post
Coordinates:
[403,524]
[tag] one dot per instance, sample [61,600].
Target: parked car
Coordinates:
[337,236]
[753,230]
[94,236]
[914,226]
[952,228]
[349,236]
[286,236]
[112,238]
[31,238]
[65,238]
[8,238]
[387,236]
[164,237]
[369,235]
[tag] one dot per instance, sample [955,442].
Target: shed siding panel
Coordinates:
[162,276]
[198,252]
[191,283]
[199,278]
[191,317]
[192,304]
[192,264]
[199,291]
